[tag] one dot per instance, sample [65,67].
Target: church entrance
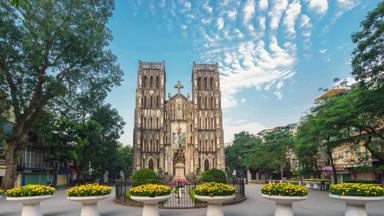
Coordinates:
[150,164]
[206,165]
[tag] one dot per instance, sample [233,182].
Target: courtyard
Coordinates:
[317,204]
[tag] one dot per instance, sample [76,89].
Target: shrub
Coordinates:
[214,189]
[317,180]
[213,175]
[30,190]
[355,189]
[284,189]
[363,181]
[150,190]
[145,176]
[89,190]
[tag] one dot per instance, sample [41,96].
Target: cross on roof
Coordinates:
[179,86]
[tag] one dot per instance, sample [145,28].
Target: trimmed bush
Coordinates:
[213,175]
[145,176]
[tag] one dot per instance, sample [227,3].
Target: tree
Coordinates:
[51,50]
[368,56]
[125,156]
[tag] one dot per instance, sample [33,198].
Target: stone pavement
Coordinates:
[317,204]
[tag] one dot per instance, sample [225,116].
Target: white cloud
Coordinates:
[276,12]
[187,5]
[291,15]
[248,10]
[232,14]
[345,5]
[322,51]
[220,23]
[231,127]
[318,6]
[263,5]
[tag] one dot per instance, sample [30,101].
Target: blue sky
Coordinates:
[273,55]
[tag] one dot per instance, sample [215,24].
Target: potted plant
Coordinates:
[30,197]
[215,194]
[88,195]
[179,185]
[284,195]
[356,196]
[150,195]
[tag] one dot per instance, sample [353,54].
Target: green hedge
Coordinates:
[213,175]
[145,176]
[362,181]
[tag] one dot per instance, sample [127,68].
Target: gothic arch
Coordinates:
[150,164]
[206,165]
[151,82]
[145,82]
[157,82]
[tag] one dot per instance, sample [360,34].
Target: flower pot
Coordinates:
[151,204]
[31,204]
[215,203]
[355,205]
[89,204]
[284,203]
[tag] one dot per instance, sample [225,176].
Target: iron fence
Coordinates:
[183,198]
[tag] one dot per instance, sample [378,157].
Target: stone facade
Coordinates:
[178,129]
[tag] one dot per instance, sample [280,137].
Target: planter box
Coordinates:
[355,205]
[284,203]
[215,203]
[31,204]
[151,204]
[89,204]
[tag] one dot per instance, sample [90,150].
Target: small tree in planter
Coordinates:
[179,184]
[30,197]
[356,196]
[150,195]
[89,195]
[215,194]
[284,195]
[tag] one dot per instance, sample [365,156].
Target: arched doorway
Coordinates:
[150,164]
[206,165]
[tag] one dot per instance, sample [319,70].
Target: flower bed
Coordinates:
[215,189]
[30,190]
[178,183]
[150,190]
[355,189]
[89,190]
[284,189]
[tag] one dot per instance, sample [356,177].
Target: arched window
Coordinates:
[145,102]
[157,82]
[150,123]
[151,82]
[199,83]
[205,103]
[144,122]
[212,127]
[211,82]
[144,162]
[206,123]
[206,165]
[157,102]
[150,164]
[212,103]
[150,144]
[150,105]
[157,122]
[205,82]
[157,145]
[145,82]
[213,162]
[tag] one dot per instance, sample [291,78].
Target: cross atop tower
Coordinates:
[179,86]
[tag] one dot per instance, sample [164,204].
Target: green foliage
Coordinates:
[367,57]
[213,175]
[145,176]
[362,181]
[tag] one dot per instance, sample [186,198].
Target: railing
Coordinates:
[183,198]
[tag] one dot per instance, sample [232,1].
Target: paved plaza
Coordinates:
[318,204]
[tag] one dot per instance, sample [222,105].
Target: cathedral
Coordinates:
[177,133]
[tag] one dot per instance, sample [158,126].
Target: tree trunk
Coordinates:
[334,172]
[11,156]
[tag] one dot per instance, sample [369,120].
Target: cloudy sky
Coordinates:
[273,55]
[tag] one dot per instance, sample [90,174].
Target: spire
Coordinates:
[179,86]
